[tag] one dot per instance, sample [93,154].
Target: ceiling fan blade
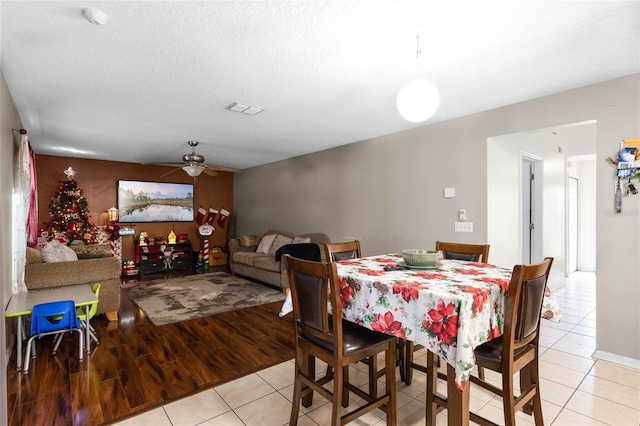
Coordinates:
[168,173]
[210,172]
[223,168]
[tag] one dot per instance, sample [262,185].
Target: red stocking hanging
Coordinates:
[222,219]
[200,216]
[211,216]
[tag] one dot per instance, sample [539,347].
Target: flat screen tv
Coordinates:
[155,201]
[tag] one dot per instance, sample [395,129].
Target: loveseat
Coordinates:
[249,257]
[86,270]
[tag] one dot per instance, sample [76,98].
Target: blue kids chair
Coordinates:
[82,313]
[52,318]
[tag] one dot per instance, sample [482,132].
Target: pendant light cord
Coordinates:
[418,53]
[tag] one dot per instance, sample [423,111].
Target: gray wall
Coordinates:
[8,119]
[388,192]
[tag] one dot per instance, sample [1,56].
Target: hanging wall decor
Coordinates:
[627,167]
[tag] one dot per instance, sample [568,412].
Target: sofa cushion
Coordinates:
[92,251]
[247,257]
[54,251]
[267,263]
[301,240]
[33,255]
[249,240]
[265,244]
[278,242]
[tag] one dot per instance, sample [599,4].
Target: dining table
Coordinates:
[21,304]
[449,308]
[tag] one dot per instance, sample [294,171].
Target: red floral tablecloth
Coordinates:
[449,309]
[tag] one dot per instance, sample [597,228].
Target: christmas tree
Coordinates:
[68,212]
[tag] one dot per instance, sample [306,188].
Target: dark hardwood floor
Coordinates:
[138,366]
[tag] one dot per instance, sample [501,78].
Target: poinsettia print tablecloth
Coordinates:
[449,309]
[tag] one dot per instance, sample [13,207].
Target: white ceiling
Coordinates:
[326,72]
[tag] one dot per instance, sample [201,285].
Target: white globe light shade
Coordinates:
[418,100]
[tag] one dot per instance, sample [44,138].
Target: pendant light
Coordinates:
[418,99]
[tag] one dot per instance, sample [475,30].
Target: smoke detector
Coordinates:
[95,16]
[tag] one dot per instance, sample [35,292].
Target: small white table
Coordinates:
[22,303]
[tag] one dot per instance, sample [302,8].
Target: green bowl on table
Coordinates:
[419,257]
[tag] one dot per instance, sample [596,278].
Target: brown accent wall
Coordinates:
[98,181]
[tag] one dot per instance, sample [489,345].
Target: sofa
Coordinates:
[249,256]
[94,265]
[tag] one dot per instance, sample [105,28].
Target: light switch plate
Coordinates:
[464,227]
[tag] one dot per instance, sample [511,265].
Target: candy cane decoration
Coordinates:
[205,254]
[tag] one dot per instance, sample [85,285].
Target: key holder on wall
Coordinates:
[627,166]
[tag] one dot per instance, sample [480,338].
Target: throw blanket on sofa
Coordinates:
[305,251]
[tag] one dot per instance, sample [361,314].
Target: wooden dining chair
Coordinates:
[515,351]
[339,343]
[352,250]
[457,251]
[468,252]
[334,252]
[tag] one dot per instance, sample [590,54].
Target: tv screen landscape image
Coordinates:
[140,201]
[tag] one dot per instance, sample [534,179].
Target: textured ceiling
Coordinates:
[326,72]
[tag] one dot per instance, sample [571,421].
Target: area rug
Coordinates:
[166,301]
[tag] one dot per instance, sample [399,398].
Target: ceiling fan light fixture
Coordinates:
[193,170]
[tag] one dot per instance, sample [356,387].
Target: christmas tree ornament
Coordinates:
[70,173]
[222,219]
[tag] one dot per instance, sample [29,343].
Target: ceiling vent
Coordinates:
[245,109]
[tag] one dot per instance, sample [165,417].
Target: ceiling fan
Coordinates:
[194,164]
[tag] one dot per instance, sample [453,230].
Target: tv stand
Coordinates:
[153,258]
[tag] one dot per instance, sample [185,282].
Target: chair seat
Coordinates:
[490,353]
[355,338]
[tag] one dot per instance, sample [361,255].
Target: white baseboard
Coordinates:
[617,359]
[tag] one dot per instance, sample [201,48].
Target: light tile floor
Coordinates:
[576,389]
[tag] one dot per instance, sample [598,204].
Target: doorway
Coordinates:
[558,153]
[572,225]
[532,195]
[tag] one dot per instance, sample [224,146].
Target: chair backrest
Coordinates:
[312,284]
[468,252]
[524,304]
[94,306]
[342,251]
[54,316]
